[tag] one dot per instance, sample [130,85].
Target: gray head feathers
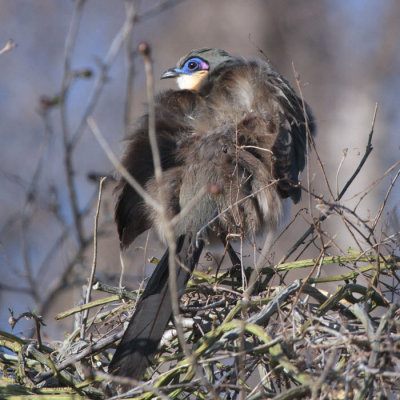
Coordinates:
[212,57]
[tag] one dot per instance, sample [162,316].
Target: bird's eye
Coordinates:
[192,65]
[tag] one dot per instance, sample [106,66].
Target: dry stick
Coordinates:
[322,218]
[372,247]
[329,366]
[338,170]
[347,222]
[94,263]
[144,50]
[130,382]
[327,183]
[38,320]
[88,351]
[28,210]
[332,206]
[305,281]
[368,150]
[371,234]
[374,339]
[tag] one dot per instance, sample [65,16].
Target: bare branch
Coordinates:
[10,45]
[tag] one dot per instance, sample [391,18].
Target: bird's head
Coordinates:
[194,67]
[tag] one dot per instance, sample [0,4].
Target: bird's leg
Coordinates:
[235,270]
[199,234]
[232,253]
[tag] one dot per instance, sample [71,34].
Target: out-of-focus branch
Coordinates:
[112,54]
[130,52]
[68,151]
[158,9]
[28,212]
[10,45]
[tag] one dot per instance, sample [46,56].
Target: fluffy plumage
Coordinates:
[243,131]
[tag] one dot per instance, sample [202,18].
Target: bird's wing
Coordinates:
[263,111]
[173,108]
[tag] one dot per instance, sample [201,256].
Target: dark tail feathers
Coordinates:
[153,312]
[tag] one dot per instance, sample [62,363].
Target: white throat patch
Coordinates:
[185,81]
[191,82]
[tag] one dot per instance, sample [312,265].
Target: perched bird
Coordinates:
[236,127]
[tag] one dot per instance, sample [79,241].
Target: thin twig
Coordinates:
[94,263]
[368,150]
[380,211]
[131,383]
[88,351]
[322,218]
[10,45]
[309,136]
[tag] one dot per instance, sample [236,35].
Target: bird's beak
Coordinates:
[172,73]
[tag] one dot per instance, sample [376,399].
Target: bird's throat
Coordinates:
[191,82]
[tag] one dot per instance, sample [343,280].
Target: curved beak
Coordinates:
[172,73]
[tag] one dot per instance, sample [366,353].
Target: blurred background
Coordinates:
[76,59]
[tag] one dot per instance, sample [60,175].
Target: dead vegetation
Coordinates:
[333,334]
[284,339]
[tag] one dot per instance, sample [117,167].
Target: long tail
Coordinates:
[153,312]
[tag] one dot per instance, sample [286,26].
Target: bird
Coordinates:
[233,136]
